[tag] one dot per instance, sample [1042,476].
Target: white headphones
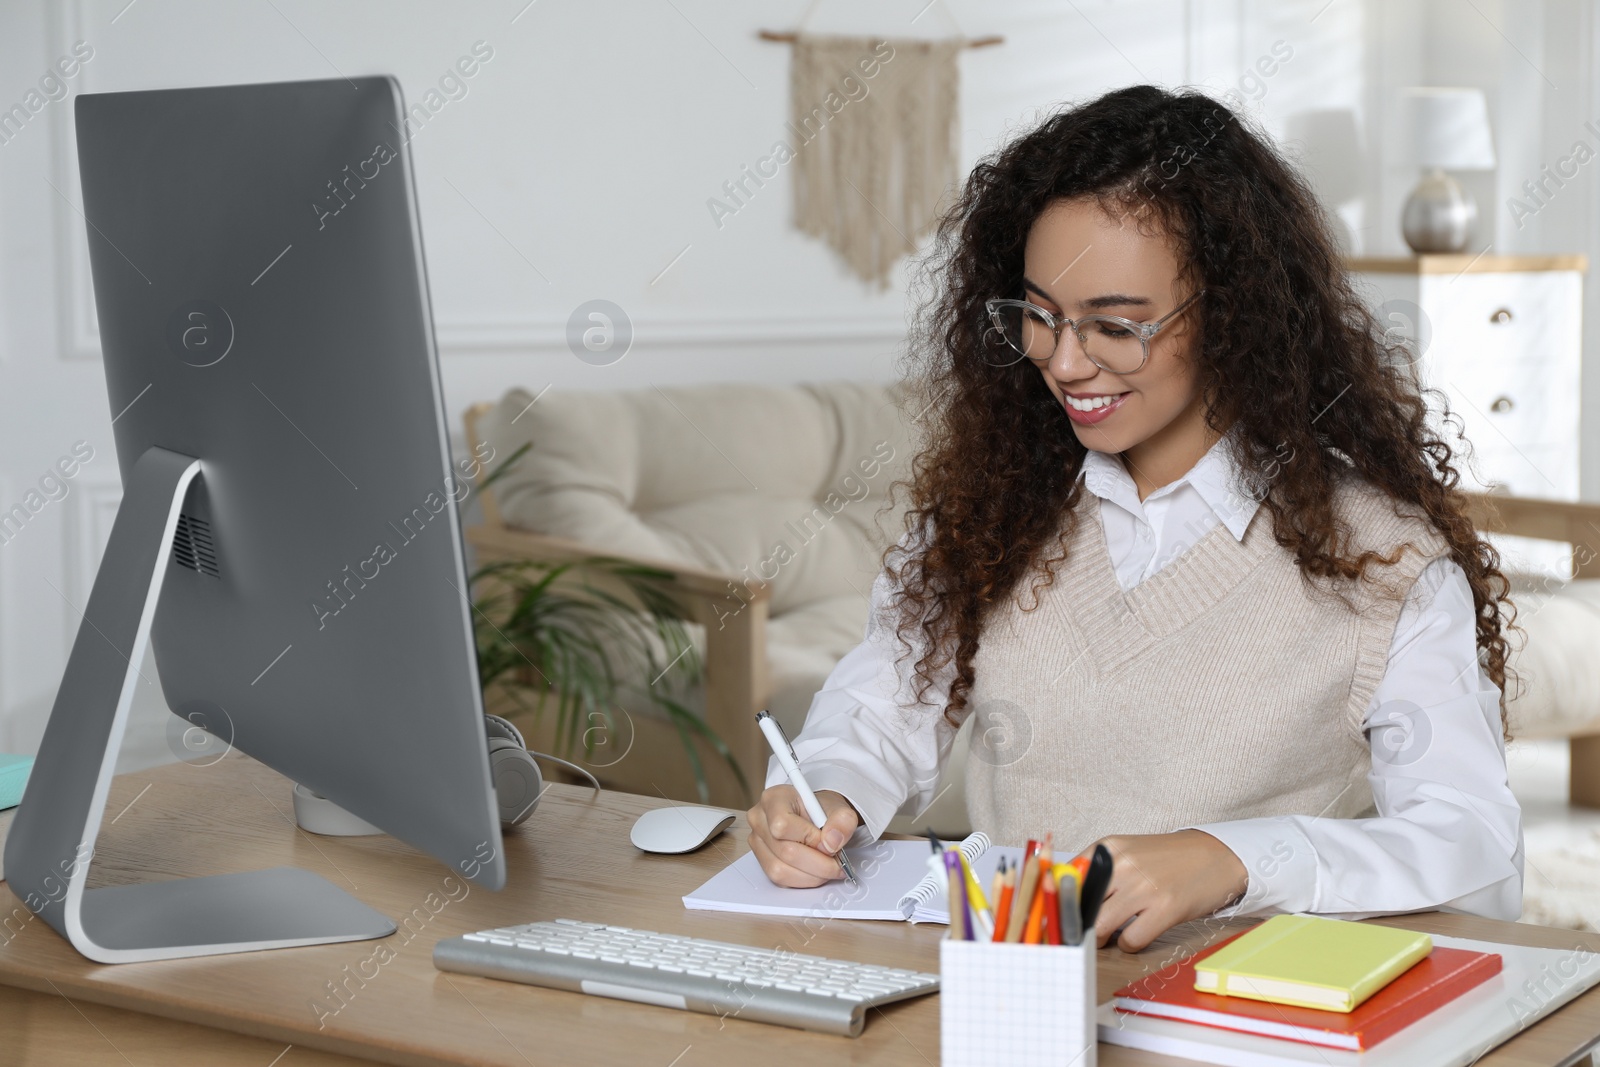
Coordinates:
[518,785]
[517,781]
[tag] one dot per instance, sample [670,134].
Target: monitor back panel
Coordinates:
[263,306]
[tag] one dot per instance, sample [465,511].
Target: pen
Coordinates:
[1071,920]
[981,917]
[1095,884]
[779,742]
[979,904]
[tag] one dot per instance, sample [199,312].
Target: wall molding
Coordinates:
[669,331]
[80,329]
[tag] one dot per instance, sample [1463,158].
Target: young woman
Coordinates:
[1185,542]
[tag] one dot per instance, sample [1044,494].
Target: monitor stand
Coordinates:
[53,833]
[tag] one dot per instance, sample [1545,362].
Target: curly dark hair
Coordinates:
[1288,356]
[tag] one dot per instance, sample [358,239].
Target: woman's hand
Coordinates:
[1161,880]
[793,852]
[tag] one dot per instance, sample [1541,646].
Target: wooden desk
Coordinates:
[573,859]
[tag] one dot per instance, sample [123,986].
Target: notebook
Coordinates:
[1311,962]
[896,884]
[1532,983]
[1443,976]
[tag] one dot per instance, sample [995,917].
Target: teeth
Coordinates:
[1092,404]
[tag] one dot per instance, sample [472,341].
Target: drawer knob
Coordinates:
[1501,316]
[1501,405]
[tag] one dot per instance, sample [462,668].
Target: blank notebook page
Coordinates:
[888,871]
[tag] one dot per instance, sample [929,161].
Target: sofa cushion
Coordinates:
[1557,689]
[784,484]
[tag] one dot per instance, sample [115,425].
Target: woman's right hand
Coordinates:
[793,852]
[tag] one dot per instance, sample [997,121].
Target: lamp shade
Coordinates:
[1446,128]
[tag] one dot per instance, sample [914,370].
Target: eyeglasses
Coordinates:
[1022,329]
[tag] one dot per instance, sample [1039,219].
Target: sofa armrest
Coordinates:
[1548,520]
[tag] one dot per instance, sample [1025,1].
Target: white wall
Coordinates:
[580,162]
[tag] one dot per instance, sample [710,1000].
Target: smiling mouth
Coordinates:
[1094,403]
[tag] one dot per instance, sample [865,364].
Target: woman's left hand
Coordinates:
[1161,880]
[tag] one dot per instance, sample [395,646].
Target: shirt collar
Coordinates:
[1216,477]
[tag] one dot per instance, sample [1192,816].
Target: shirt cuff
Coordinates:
[1280,862]
[874,803]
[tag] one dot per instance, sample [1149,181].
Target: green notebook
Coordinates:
[13,776]
[1311,962]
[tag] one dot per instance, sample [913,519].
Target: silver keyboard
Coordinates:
[689,973]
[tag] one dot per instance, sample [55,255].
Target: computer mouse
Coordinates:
[675,830]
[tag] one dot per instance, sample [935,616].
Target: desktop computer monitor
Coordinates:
[287,541]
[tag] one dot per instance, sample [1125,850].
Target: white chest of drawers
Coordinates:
[1501,338]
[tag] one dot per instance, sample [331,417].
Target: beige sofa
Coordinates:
[770,506]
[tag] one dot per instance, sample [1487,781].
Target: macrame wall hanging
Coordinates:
[875,126]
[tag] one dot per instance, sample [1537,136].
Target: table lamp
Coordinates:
[1443,129]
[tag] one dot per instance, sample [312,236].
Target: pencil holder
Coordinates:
[1020,1005]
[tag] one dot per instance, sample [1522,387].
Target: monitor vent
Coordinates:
[192,548]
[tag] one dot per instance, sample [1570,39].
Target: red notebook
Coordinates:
[1441,977]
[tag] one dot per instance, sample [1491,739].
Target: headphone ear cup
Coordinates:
[517,781]
[494,726]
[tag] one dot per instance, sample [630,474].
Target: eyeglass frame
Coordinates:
[1142,330]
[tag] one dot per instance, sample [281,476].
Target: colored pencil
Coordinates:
[1008,890]
[1033,932]
[1052,910]
[957,893]
[1022,903]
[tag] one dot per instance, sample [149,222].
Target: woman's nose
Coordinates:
[1069,362]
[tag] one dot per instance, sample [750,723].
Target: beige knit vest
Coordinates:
[1222,687]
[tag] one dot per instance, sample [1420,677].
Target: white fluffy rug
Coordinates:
[1561,883]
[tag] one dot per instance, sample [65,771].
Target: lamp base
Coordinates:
[1439,215]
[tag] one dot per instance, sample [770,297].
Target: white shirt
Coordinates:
[1448,833]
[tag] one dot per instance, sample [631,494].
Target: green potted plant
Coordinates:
[576,635]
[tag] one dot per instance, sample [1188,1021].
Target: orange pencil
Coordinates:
[1034,932]
[1002,912]
[1052,910]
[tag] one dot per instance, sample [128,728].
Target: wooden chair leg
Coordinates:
[1583,790]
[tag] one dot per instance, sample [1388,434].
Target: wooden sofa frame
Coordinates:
[736,683]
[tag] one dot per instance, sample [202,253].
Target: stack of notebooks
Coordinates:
[1317,981]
